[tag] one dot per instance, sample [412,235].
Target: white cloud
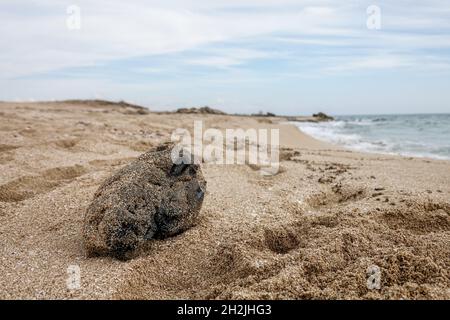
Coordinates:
[228,57]
[372,62]
[34,37]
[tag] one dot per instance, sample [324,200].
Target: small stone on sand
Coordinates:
[150,198]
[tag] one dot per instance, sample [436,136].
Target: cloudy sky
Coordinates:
[283,56]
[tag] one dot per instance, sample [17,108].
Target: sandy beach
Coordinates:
[309,232]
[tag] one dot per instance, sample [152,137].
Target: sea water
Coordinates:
[419,135]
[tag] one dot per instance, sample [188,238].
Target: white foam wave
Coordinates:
[353,135]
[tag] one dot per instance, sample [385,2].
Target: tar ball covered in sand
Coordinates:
[152,197]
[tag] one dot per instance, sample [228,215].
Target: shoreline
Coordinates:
[353,140]
[310,232]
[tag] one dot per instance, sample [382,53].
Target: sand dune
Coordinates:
[311,231]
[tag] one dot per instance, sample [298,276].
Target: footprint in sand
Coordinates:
[29,186]
[7,147]
[5,154]
[420,218]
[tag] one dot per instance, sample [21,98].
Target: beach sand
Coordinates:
[309,232]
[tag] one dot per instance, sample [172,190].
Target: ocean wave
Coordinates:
[420,136]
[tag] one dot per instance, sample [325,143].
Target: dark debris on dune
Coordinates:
[202,110]
[123,106]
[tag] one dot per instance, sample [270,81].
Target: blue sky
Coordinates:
[283,56]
